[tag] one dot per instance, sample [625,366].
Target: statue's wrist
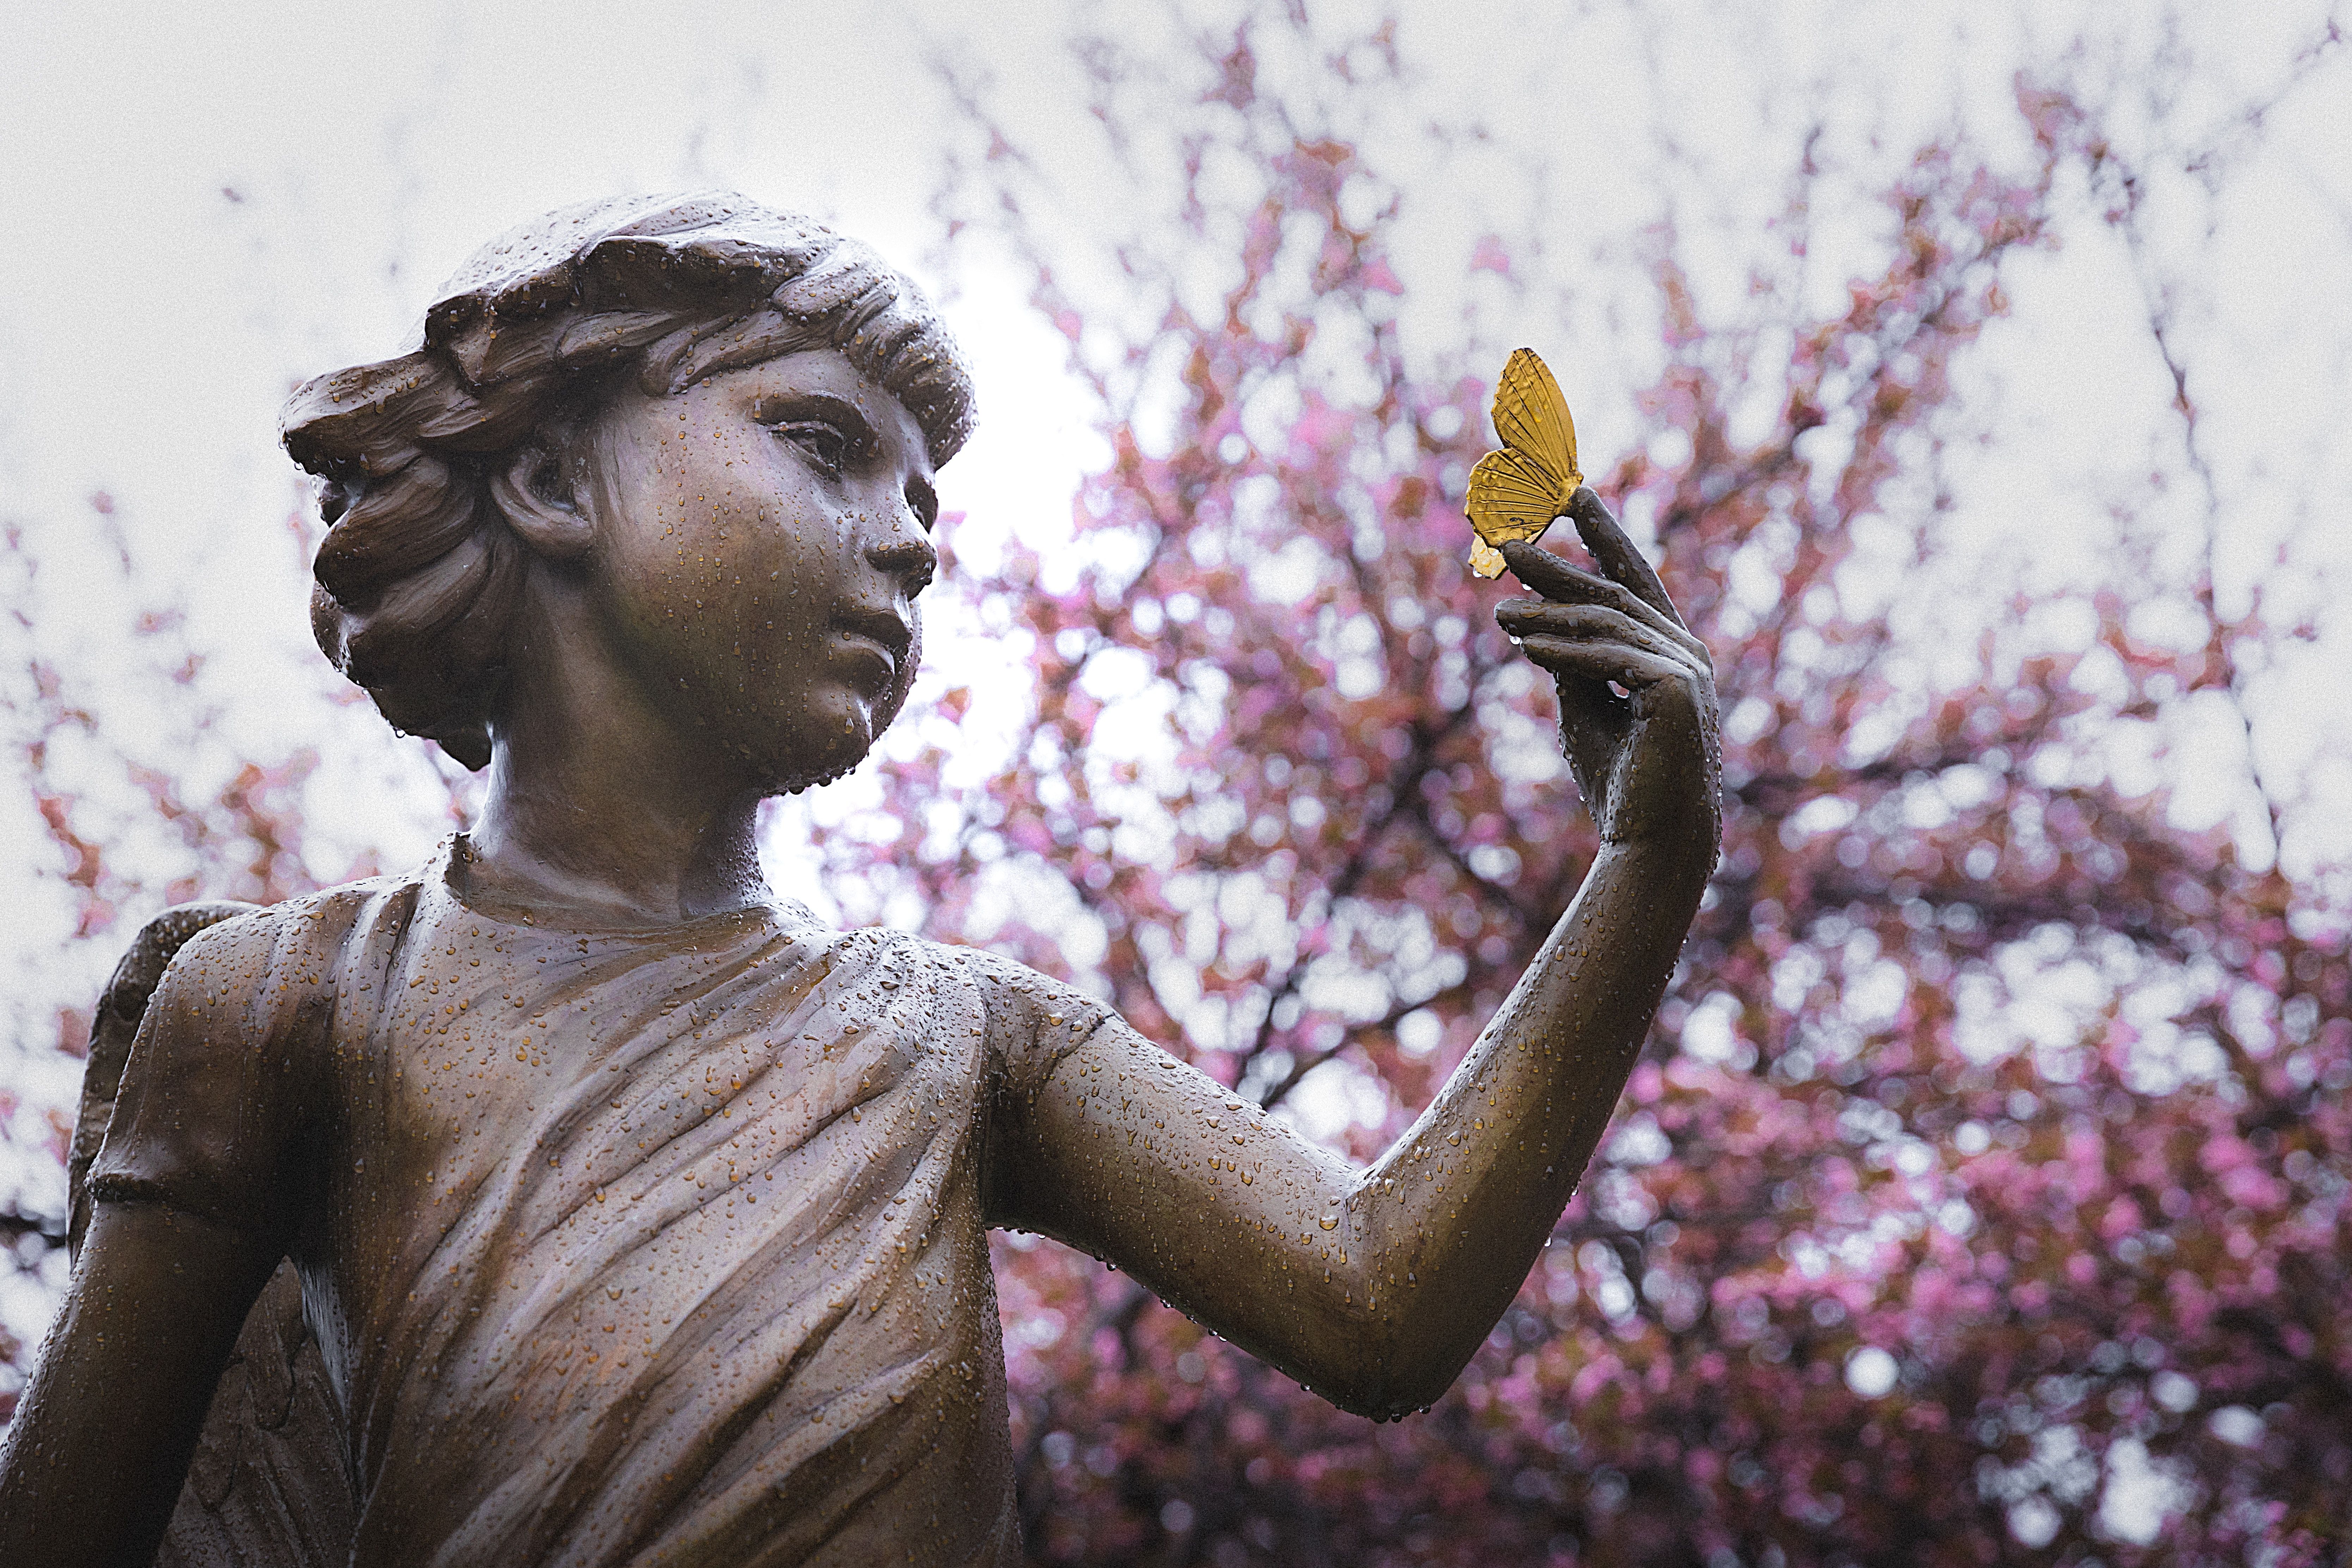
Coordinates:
[1688,844]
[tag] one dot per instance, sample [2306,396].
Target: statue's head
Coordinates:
[554,372]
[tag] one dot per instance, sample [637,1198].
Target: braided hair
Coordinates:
[417,579]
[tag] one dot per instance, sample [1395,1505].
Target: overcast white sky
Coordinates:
[205,203]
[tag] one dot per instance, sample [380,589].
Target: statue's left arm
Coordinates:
[1375,1287]
[186,1212]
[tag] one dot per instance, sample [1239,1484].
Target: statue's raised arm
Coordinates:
[1375,1287]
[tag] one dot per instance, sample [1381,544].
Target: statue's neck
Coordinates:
[598,804]
[549,839]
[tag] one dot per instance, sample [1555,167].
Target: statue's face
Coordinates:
[759,542]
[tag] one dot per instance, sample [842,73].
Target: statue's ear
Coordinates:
[533,491]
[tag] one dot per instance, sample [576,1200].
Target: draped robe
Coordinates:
[622,1247]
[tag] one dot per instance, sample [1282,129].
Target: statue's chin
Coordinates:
[806,774]
[804,771]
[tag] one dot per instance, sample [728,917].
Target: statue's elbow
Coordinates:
[1396,1372]
[1392,1394]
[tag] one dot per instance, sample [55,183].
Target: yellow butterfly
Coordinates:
[1515,493]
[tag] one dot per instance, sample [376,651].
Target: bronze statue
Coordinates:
[571,1199]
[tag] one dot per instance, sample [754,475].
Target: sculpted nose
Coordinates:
[901,548]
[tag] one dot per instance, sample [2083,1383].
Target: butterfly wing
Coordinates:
[1532,419]
[1510,498]
[1515,493]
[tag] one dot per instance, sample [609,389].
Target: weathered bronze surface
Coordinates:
[626,1213]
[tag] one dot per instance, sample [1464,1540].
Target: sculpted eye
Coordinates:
[825,445]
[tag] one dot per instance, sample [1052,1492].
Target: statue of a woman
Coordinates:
[636,1217]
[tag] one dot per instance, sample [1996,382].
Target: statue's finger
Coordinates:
[1629,667]
[1634,622]
[1565,582]
[1561,581]
[1551,577]
[1616,554]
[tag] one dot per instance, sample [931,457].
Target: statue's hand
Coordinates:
[1648,764]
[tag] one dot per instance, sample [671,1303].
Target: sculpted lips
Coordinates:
[879,636]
